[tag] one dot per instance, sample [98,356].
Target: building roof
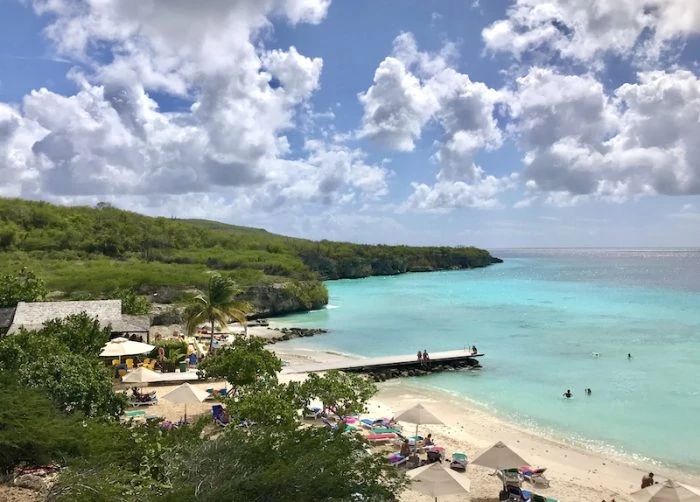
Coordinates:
[32,316]
[6,316]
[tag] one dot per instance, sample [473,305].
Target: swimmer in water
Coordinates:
[568,394]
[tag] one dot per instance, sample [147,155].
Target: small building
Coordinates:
[32,316]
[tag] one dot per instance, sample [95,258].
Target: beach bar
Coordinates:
[32,316]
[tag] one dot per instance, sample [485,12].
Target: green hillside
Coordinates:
[85,252]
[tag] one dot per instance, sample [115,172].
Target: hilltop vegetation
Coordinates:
[85,252]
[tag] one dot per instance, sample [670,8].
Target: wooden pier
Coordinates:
[374,365]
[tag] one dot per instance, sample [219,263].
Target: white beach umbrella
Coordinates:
[142,375]
[668,491]
[418,415]
[434,480]
[124,347]
[186,394]
[499,456]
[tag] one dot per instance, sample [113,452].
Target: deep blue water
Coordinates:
[539,317]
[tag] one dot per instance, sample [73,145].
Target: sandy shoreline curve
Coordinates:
[576,474]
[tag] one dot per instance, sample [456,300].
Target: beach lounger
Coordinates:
[330,426]
[313,413]
[385,431]
[367,423]
[535,476]
[147,402]
[396,459]
[515,494]
[510,477]
[458,462]
[380,438]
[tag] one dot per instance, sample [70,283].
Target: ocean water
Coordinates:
[539,317]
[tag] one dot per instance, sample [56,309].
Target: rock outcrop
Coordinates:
[291,333]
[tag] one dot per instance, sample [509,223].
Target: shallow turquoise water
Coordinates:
[539,317]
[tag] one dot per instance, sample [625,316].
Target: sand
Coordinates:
[575,474]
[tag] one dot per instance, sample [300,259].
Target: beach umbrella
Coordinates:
[668,491]
[186,394]
[434,480]
[142,375]
[499,456]
[418,415]
[119,347]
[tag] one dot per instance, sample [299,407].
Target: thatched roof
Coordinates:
[109,312]
[6,316]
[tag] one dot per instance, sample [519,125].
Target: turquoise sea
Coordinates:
[539,317]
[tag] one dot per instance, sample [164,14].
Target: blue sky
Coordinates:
[447,122]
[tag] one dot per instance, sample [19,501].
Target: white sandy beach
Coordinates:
[575,474]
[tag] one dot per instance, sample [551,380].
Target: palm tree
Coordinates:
[216,306]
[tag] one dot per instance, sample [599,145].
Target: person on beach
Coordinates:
[428,441]
[420,356]
[568,394]
[405,448]
[647,480]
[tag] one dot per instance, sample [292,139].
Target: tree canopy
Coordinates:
[216,306]
[23,286]
[89,252]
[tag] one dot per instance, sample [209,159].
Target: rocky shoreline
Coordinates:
[419,370]
[292,333]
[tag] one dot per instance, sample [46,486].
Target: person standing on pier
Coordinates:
[420,356]
[426,359]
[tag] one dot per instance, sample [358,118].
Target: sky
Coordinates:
[495,123]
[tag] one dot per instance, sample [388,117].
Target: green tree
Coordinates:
[75,382]
[132,304]
[282,463]
[245,362]
[343,393]
[216,306]
[81,333]
[32,430]
[23,286]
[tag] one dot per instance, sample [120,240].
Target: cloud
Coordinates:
[112,137]
[584,30]
[412,88]
[580,141]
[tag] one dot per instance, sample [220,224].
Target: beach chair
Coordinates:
[152,365]
[115,362]
[534,476]
[145,362]
[515,494]
[510,477]
[380,438]
[313,413]
[130,364]
[329,425]
[458,462]
[385,431]
[396,459]
[121,373]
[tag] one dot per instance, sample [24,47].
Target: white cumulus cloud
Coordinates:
[586,29]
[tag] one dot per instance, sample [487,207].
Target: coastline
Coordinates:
[576,473]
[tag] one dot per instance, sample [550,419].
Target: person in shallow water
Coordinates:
[568,394]
[629,356]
